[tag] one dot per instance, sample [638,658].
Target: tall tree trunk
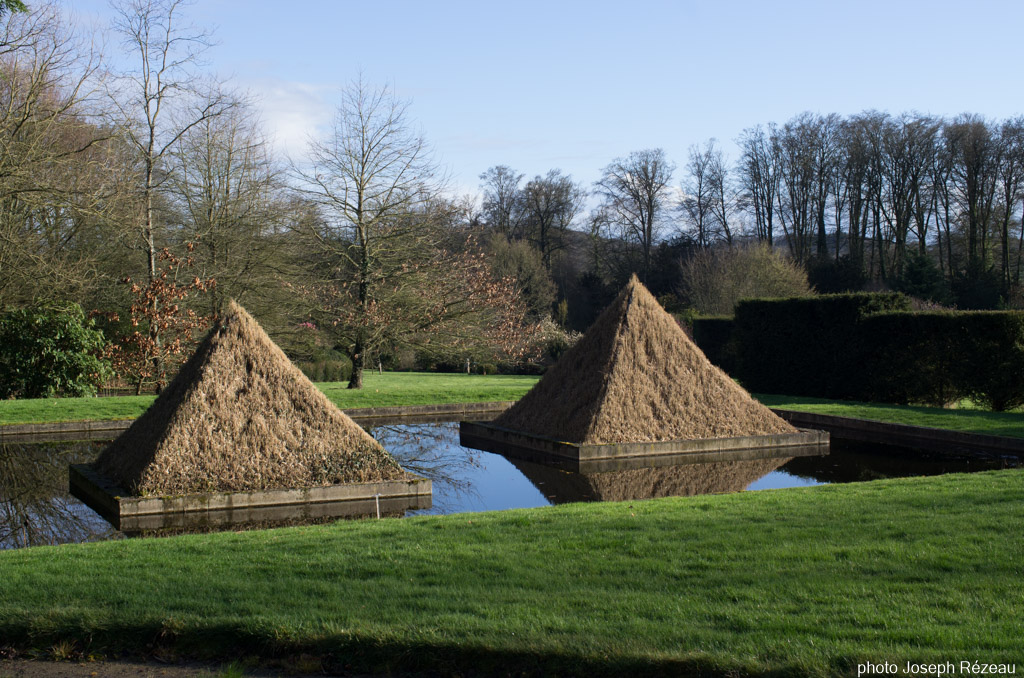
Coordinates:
[154,330]
[358,363]
[1020,245]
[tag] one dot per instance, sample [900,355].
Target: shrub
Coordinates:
[326,370]
[832,276]
[922,279]
[522,262]
[993,357]
[555,341]
[715,280]
[46,352]
[982,289]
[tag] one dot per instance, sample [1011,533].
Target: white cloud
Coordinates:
[293,112]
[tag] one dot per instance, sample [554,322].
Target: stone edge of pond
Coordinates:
[925,438]
[847,428]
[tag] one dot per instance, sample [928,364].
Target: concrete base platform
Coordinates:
[593,458]
[136,514]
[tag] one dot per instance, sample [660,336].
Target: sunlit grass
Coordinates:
[802,581]
[420,388]
[379,390]
[961,419]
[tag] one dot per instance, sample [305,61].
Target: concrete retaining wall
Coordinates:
[915,437]
[129,513]
[843,428]
[587,457]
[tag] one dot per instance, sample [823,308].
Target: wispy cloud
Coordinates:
[293,112]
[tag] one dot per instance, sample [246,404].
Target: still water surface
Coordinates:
[35,507]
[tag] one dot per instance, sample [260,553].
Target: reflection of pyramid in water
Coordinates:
[636,377]
[239,416]
[687,480]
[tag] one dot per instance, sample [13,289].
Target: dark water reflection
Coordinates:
[35,507]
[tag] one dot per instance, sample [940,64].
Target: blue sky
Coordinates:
[572,85]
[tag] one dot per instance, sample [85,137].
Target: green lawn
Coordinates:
[415,388]
[968,420]
[804,581]
[422,388]
[379,390]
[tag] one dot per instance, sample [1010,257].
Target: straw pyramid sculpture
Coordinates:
[636,377]
[238,417]
[647,483]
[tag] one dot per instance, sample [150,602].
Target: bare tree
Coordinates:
[723,197]
[370,176]
[759,178]
[635,190]
[550,205]
[698,193]
[53,158]
[229,195]
[799,141]
[908,143]
[826,156]
[159,97]
[1011,175]
[942,203]
[503,200]
[389,271]
[975,156]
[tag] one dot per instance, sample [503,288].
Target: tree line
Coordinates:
[149,194]
[916,202]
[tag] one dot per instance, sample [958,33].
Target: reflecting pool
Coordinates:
[35,507]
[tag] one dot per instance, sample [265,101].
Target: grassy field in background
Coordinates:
[967,420]
[379,390]
[427,388]
[807,581]
[416,388]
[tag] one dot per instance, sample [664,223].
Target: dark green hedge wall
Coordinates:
[938,358]
[713,335]
[806,346]
[870,347]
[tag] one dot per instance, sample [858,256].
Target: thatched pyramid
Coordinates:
[636,377]
[238,417]
[688,480]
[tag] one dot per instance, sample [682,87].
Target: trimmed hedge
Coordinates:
[871,347]
[714,336]
[808,345]
[939,357]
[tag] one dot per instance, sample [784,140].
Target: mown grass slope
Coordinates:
[802,581]
[966,420]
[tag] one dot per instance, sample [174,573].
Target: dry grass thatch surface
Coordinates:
[239,416]
[636,377]
[687,480]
